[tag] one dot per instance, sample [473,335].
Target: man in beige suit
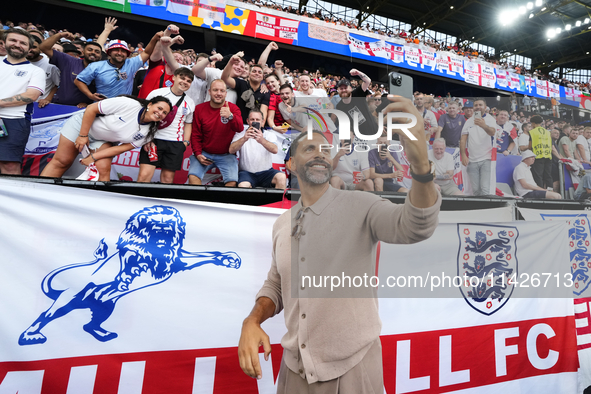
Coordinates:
[332,343]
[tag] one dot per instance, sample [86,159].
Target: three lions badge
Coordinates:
[487,261]
[149,251]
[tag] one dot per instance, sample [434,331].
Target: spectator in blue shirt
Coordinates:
[114,76]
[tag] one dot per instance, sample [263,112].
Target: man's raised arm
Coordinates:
[231,82]
[47,46]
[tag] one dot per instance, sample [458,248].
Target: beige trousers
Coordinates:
[365,378]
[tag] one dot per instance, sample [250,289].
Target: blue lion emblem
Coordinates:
[487,260]
[150,252]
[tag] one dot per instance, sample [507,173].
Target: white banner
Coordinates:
[513,80]
[412,54]
[395,52]
[502,78]
[443,62]
[472,73]
[457,64]
[489,77]
[553,89]
[579,237]
[110,293]
[542,87]
[375,48]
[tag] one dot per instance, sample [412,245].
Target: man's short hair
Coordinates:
[185,72]
[285,86]
[37,39]
[480,99]
[537,119]
[202,54]
[294,144]
[255,111]
[273,76]
[96,44]
[442,140]
[216,81]
[504,110]
[256,66]
[22,32]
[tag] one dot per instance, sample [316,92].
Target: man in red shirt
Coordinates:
[215,123]
[159,74]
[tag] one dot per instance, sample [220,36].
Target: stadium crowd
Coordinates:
[226,107]
[462,48]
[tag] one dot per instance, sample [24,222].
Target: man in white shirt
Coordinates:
[256,149]
[525,186]
[583,146]
[444,169]
[21,83]
[429,119]
[170,141]
[52,73]
[351,168]
[477,133]
[315,100]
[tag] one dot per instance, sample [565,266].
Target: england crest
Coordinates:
[487,264]
[579,247]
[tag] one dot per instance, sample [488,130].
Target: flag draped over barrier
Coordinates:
[122,294]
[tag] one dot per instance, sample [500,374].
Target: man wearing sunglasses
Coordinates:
[332,343]
[114,76]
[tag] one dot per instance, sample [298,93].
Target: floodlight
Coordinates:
[530,5]
[578,24]
[522,10]
[544,9]
[558,30]
[586,21]
[567,27]
[531,15]
[550,33]
[538,3]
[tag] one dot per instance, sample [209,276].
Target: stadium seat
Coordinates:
[505,167]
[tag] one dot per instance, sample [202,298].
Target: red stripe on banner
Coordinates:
[584,328]
[479,356]
[368,48]
[447,360]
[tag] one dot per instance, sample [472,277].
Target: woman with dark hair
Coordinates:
[125,120]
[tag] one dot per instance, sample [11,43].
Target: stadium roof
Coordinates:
[525,36]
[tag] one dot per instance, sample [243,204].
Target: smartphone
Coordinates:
[477,115]
[256,125]
[101,95]
[401,85]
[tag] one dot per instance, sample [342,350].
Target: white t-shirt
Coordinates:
[16,79]
[349,163]
[429,120]
[211,74]
[442,166]
[480,144]
[315,93]
[524,139]
[52,74]
[197,90]
[522,171]
[176,130]
[120,123]
[254,157]
[581,140]
[315,103]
